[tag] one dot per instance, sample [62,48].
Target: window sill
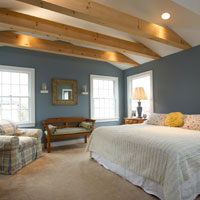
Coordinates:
[27,125]
[107,120]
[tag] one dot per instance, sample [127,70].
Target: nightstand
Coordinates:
[134,120]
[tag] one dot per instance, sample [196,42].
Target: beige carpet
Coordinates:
[68,174]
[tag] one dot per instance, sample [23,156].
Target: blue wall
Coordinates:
[48,66]
[176,82]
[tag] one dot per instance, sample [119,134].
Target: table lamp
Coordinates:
[139,94]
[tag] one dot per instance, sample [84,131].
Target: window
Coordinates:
[17,100]
[140,80]
[104,98]
[66,94]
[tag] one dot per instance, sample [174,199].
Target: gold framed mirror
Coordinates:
[64,92]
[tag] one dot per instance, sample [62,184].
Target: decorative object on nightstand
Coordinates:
[134,120]
[133,114]
[144,116]
[84,90]
[44,89]
[139,94]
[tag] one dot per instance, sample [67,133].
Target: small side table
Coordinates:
[134,120]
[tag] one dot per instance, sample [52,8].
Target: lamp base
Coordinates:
[139,109]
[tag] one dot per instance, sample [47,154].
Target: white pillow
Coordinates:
[157,119]
[52,128]
[86,125]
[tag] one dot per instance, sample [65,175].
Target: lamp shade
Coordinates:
[139,94]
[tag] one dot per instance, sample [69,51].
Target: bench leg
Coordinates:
[49,145]
[85,139]
[45,142]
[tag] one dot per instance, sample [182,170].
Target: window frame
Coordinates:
[129,90]
[31,90]
[116,96]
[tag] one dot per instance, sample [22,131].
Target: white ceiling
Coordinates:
[185,21]
[193,5]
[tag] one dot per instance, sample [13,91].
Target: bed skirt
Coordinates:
[189,190]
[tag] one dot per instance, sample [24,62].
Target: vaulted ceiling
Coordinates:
[119,38]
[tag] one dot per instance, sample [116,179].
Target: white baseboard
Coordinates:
[67,142]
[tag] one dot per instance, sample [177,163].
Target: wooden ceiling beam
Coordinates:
[25,23]
[97,13]
[33,43]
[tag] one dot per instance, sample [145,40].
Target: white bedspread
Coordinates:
[165,155]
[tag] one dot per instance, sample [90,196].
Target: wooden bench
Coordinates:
[63,123]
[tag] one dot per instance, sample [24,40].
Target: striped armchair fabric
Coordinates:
[7,127]
[34,133]
[18,148]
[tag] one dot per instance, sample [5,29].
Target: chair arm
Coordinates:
[93,123]
[8,143]
[36,133]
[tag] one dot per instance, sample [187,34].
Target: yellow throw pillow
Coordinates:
[174,119]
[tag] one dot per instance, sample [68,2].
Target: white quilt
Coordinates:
[165,155]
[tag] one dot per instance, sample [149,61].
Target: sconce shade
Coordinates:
[44,86]
[44,89]
[139,94]
[84,90]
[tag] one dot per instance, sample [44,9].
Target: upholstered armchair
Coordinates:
[18,147]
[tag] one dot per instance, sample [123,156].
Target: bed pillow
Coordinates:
[192,122]
[156,119]
[174,119]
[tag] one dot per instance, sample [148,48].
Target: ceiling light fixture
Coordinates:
[165,16]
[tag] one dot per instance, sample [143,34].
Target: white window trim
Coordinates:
[129,90]
[116,90]
[31,72]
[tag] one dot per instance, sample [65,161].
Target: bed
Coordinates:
[164,161]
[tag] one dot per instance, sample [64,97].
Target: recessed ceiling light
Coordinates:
[165,16]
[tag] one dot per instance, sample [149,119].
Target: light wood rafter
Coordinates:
[97,13]
[33,43]
[25,23]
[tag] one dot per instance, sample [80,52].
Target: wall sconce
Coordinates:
[84,90]
[44,89]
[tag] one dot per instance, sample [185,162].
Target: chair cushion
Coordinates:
[26,142]
[63,131]
[7,128]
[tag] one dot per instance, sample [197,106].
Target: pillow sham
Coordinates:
[174,119]
[192,122]
[156,119]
